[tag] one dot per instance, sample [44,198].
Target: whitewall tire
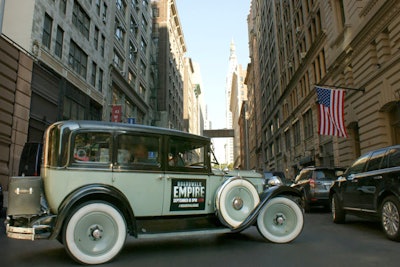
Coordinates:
[281,220]
[94,233]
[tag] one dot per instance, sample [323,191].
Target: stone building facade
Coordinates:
[295,45]
[15,82]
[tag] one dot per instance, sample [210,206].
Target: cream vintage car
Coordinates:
[102,181]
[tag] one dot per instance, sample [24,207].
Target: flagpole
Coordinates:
[341,87]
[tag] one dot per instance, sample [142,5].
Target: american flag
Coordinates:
[331,112]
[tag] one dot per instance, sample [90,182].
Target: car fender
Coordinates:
[267,195]
[94,192]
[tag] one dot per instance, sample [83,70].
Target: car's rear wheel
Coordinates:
[338,214]
[390,217]
[94,233]
[281,220]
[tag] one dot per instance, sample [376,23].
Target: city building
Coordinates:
[192,98]
[238,95]
[297,45]
[232,68]
[171,49]
[121,61]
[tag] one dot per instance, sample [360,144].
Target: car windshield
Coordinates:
[326,174]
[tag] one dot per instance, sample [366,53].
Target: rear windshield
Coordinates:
[325,174]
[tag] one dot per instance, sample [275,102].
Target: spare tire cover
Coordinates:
[235,200]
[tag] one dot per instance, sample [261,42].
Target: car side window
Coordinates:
[92,147]
[374,162]
[138,151]
[358,165]
[187,155]
[394,157]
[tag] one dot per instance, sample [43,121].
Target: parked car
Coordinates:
[31,159]
[314,183]
[101,181]
[370,188]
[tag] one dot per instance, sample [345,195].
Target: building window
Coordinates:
[63,6]
[78,59]
[144,23]
[80,19]
[121,6]
[287,141]
[47,26]
[308,124]
[142,91]
[296,133]
[143,46]
[340,15]
[59,42]
[73,110]
[93,76]
[119,31]
[102,44]
[131,79]
[135,4]
[118,61]
[142,69]
[100,83]
[96,38]
[133,26]
[145,4]
[98,7]
[105,12]
[132,52]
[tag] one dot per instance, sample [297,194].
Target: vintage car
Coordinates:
[101,181]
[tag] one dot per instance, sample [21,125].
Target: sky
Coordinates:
[209,26]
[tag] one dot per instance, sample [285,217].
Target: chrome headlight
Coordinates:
[274,181]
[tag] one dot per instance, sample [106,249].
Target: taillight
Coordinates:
[312,183]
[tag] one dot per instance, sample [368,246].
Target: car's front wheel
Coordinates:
[281,220]
[390,217]
[94,233]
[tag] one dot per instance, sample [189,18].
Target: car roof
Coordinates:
[104,125]
[322,168]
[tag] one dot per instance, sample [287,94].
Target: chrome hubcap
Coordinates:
[237,203]
[279,219]
[390,218]
[96,232]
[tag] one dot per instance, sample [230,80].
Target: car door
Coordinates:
[187,178]
[365,184]
[137,172]
[349,188]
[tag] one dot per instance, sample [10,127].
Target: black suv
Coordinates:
[31,159]
[370,188]
[314,184]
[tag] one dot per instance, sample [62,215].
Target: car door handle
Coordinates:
[378,177]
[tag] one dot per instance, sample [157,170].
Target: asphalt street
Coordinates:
[322,243]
